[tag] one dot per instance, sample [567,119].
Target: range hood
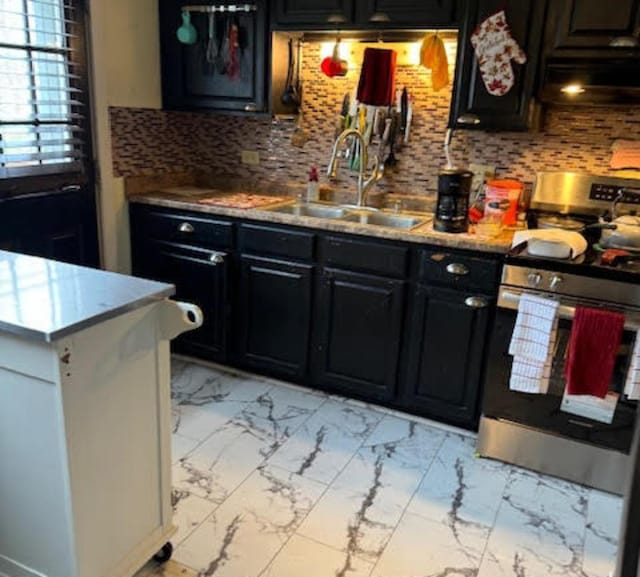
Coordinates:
[591,81]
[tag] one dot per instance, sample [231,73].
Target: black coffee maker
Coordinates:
[452,211]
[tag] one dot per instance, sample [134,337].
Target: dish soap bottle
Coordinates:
[313,188]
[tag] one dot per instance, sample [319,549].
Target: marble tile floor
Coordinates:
[272,480]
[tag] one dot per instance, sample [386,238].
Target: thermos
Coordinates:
[452,210]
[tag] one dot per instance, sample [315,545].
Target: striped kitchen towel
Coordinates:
[632,386]
[533,343]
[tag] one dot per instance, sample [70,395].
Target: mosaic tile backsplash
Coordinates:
[153,142]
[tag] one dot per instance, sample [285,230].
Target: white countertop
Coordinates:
[45,300]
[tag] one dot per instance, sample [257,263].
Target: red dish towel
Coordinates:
[595,338]
[377,85]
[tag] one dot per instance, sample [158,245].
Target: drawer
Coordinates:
[185,227]
[365,255]
[275,241]
[452,269]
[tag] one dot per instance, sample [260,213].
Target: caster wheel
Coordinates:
[164,554]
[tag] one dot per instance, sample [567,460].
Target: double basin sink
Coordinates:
[355,215]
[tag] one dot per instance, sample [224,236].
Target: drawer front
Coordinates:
[365,256]
[187,228]
[275,241]
[452,269]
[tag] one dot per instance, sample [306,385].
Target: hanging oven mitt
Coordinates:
[495,48]
[434,56]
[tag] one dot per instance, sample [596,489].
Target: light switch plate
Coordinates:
[250,157]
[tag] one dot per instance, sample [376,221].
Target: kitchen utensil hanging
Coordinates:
[290,97]
[333,65]
[187,33]
[229,8]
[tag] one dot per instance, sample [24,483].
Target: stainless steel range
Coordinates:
[583,440]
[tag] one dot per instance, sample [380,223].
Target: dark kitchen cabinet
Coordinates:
[448,337]
[472,105]
[358,327]
[364,13]
[274,313]
[234,84]
[407,13]
[291,13]
[60,226]
[590,24]
[201,277]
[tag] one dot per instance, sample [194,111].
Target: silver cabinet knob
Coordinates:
[457,269]
[379,17]
[216,258]
[336,19]
[556,281]
[186,227]
[476,302]
[534,279]
[251,107]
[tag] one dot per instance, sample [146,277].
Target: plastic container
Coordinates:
[490,225]
[313,188]
[506,193]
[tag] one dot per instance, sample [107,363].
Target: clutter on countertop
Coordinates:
[551,242]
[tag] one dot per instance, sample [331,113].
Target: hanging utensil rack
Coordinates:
[212,8]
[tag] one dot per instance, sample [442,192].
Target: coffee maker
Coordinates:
[452,210]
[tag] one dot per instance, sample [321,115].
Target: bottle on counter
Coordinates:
[313,187]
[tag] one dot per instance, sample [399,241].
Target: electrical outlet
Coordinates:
[250,157]
[481,173]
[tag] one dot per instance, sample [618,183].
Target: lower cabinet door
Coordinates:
[446,351]
[274,310]
[201,278]
[358,328]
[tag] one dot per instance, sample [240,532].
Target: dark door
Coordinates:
[407,12]
[591,23]
[472,105]
[235,81]
[359,330]
[446,355]
[59,225]
[200,277]
[314,13]
[274,311]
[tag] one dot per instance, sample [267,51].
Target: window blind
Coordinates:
[42,108]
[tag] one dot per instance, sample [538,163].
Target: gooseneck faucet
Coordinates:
[364,183]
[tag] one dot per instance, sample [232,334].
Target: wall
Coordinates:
[152,142]
[125,66]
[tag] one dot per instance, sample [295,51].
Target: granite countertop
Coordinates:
[188,199]
[45,300]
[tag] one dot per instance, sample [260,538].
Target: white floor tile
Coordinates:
[303,557]
[244,534]
[189,511]
[424,548]
[603,528]
[326,442]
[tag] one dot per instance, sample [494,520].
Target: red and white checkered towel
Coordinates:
[533,344]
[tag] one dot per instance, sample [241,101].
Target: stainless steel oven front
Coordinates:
[543,433]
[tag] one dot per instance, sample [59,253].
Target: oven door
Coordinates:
[544,412]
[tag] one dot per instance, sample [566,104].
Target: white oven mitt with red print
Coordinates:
[495,48]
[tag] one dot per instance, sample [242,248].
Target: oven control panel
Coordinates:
[609,193]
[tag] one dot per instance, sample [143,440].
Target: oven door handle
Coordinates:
[511,300]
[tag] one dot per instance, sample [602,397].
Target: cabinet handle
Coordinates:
[468,119]
[476,302]
[250,108]
[457,269]
[186,228]
[216,258]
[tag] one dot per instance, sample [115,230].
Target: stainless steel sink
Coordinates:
[384,219]
[314,210]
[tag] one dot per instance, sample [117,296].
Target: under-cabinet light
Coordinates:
[572,89]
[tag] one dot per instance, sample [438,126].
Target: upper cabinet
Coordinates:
[590,24]
[472,104]
[314,14]
[406,13]
[225,69]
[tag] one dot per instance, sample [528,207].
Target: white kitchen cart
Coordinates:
[84,419]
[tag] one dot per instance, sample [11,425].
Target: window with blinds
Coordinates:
[42,109]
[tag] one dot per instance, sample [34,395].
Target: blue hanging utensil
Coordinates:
[187,33]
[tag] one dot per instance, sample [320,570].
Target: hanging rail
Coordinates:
[212,8]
